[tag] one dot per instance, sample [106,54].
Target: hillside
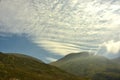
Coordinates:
[89,65]
[116,60]
[22,67]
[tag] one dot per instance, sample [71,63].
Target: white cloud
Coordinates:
[62,26]
[58,47]
[51,59]
[112,46]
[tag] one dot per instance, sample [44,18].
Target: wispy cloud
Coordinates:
[59,47]
[62,26]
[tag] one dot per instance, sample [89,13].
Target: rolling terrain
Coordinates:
[95,67]
[117,60]
[22,67]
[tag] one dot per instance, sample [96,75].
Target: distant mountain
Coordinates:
[117,60]
[22,67]
[89,65]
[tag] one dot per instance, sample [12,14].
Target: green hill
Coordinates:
[22,67]
[89,65]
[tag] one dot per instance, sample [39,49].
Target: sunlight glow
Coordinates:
[62,26]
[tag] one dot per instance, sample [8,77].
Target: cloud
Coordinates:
[112,46]
[51,59]
[59,47]
[62,26]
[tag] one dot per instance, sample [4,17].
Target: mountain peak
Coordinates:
[87,64]
[76,55]
[80,54]
[23,67]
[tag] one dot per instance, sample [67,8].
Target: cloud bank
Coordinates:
[112,46]
[63,26]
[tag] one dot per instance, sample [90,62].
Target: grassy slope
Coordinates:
[21,67]
[117,60]
[84,64]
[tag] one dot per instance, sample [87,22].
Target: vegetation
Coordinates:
[86,64]
[22,67]
[110,74]
[117,60]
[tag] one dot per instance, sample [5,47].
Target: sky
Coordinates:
[50,29]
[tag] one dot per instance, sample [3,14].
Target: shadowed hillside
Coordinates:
[22,67]
[117,60]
